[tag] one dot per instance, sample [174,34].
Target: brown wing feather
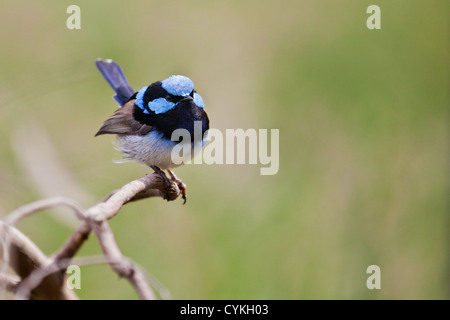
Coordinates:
[123,122]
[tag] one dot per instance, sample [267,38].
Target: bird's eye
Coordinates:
[169,97]
[192,93]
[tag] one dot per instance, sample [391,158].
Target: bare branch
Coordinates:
[48,273]
[74,243]
[137,189]
[24,257]
[23,288]
[34,207]
[146,187]
[120,265]
[9,282]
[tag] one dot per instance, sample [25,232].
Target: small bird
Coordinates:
[146,119]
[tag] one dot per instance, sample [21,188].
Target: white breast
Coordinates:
[151,149]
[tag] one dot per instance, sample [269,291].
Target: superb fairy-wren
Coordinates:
[146,119]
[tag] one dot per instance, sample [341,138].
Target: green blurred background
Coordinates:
[363,119]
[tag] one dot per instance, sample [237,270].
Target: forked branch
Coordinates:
[41,276]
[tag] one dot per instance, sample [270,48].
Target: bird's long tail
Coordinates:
[112,72]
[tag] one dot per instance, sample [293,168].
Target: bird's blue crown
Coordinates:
[178,85]
[156,94]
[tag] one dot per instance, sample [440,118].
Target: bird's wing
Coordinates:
[123,122]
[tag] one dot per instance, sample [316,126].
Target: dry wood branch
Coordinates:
[24,257]
[118,263]
[34,207]
[52,269]
[9,282]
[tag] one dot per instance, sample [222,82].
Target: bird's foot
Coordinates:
[167,182]
[164,178]
[180,184]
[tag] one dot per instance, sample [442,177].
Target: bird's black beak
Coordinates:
[187,98]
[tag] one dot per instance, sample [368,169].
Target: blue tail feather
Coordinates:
[112,72]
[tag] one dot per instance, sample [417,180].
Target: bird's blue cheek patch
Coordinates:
[160,105]
[140,99]
[198,100]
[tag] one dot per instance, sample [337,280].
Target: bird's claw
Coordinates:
[167,181]
[182,188]
[180,184]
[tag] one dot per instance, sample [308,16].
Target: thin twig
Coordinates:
[74,243]
[9,282]
[24,257]
[40,205]
[22,289]
[14,217]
